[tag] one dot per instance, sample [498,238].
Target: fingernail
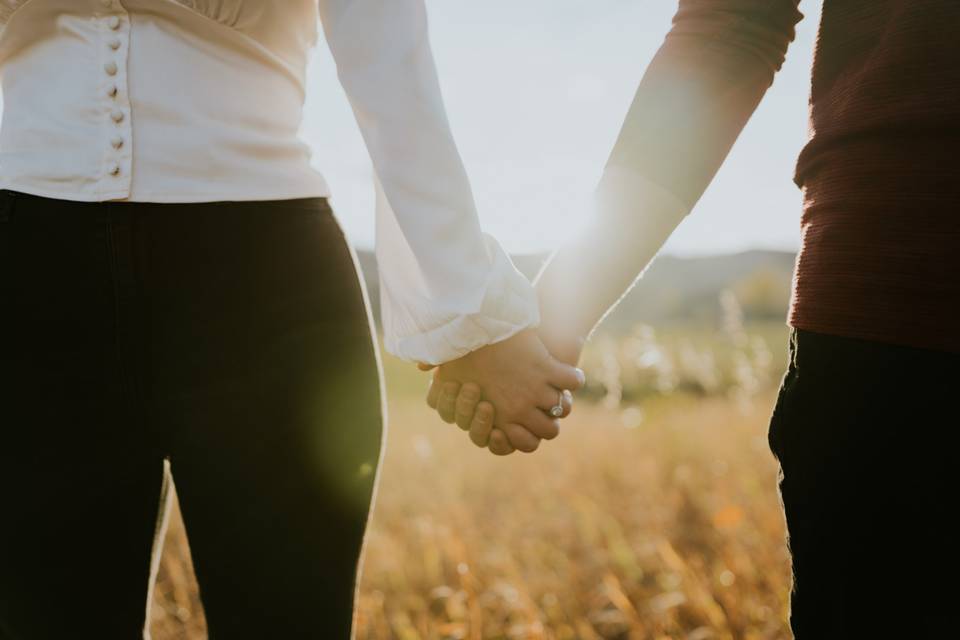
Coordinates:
[581,376]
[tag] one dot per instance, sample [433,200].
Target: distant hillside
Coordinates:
[678,290]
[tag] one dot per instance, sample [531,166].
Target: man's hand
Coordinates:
[563,344]
[520,383]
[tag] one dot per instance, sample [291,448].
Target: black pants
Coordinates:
[866,435]
[230,339]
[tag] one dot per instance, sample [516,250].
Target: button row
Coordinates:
[112,68]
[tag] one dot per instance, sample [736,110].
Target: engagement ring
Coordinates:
[557,411]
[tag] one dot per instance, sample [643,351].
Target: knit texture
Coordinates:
[880,255]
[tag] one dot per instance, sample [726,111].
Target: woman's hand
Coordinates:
[520,383]
[463,405]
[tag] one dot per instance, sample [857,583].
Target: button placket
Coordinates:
[117,157]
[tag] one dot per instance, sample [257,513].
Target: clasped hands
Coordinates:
[503,394]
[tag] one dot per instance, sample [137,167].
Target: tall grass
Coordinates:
[653,515]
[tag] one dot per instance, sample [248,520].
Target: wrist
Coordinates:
[563,344]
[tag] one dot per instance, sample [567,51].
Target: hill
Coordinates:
[677,290]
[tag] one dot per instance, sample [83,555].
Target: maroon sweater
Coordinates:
[880,258]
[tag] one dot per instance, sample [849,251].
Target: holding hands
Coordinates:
[509,395]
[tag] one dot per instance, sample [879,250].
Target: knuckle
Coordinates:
[484,414]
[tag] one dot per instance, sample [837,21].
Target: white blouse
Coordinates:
[201,100]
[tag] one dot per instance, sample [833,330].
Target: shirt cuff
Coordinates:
[507,306]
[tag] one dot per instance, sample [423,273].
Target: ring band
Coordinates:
[557,411]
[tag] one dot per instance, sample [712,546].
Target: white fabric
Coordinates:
[201,100]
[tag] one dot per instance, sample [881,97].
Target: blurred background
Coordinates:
[655,514]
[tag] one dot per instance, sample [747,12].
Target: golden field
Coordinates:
[654,515]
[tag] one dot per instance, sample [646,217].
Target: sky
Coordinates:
[536,91]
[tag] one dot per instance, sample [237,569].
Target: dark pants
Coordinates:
[866,435]
[230,339]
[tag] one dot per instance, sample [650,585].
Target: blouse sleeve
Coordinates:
[446,287]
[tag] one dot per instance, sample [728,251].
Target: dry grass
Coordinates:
[654,522]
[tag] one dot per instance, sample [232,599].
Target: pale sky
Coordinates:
[536,91]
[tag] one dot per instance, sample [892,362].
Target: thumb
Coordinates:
[565,376]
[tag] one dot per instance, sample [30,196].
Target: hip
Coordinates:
[187,295]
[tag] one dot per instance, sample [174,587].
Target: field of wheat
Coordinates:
[654,515]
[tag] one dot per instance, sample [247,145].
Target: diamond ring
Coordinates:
[557,411]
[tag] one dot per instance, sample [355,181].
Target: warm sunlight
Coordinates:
[535,117]
[648,333]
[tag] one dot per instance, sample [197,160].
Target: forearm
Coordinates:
[695,98]
[385,64]
[586,278]
[446,287]
[700,90]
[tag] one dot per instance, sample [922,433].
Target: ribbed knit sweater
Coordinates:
[880,254]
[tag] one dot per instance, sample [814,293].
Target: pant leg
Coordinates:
[80,480]
[277,411]
[862,431]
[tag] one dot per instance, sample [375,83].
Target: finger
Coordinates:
[423,366]
[467,401]
[482,424]
[540,424]
[433,394]
[520,437]
[499,444]
[447,405]
[564,376]
[553,397]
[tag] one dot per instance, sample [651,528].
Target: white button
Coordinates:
[114,22]
[112,91]
[117,116]
[116,142]
[110,68]
[114,169]
[115,43]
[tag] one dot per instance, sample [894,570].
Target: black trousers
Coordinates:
[232,341]
[866,435]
